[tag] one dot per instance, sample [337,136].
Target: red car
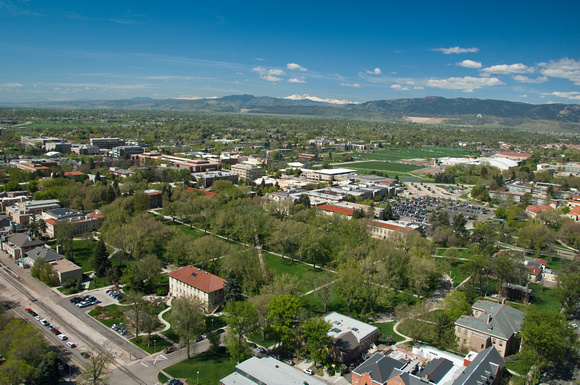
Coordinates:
[55,332]
[28,310]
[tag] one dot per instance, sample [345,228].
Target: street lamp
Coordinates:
[198,377]
[154,346]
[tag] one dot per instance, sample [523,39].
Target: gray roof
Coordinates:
[64,213]
[267,371]
[42,252]
[380,368]
[24,241]
[482,369]
[346,342]
[504,320]
[436,369]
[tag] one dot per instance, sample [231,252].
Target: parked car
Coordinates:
[309,372]
[85,354]
[169,349]
[71,345]
[261,350]
[55,331]
[198,338]
[62,337]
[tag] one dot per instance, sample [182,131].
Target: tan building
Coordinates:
[193,281]
[66,270]
[247,171]
[43,167]
[22,212]
[18,244]
[491,324]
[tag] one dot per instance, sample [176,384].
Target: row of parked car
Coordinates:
[120,328]
[85,301]
[52,329]
[114,294]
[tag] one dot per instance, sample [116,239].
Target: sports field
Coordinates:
[395,154]
[383,166]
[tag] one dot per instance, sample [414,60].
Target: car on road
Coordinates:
[62,337]
[55,331]
[198,338]
[85,354]
[288,361]
[220,331]
[309,372]
[175,381]
[37,317]
[28,310]
[169,349]
[261,350]
[71,345]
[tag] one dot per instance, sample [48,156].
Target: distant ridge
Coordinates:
[429,106]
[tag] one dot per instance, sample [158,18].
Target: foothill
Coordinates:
[173,247]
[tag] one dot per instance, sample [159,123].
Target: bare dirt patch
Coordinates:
[417,119]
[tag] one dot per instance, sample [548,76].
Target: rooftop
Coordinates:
[341,324]
[504,320]
[200,279]
[267,371]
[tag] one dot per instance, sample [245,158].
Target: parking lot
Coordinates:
[418,210]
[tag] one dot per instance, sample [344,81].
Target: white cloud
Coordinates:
[469,64]
[353,85]
[376,71]
[523,96]
[507,69]
[399,87]
[297,80]
[271,75]
[525,79]
[563,68]
[456,50]
[294,66]
[10,85]
[568,95]
[467,83]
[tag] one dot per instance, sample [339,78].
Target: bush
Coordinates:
[162,291]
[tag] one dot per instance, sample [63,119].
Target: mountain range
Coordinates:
[457,110]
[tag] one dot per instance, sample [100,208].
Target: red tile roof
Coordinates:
[575,211]
[73,173]
[391,226]
[200,279]
[336,209]
[538,208]
[95,215]
[51,222]
[535,270]
[542,261]
[206,193]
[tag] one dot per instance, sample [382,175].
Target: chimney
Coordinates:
[59,249]
[488,318]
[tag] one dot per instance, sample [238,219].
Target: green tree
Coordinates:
[282,313]
[232,288]
[100,261]
[455,305]
[136,306]
[65,232]
[567,290]
[97,369]
[187,319]
[317,342]
[547,339]
[322,285]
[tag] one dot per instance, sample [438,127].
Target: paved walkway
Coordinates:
[395,329]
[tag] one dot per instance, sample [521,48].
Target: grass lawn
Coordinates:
[386,329]
[384,166]
[457,273]
[162,378]
[211,368]
[557,264]
[257,339]
[463,252]
[412,153]
[544,299]
[108,315]
[286,266]
[186,230]
[83,252]
[156,343]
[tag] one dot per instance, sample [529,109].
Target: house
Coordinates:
[18,244]
[491,324]
[534,274]
[485,368]
[267,371]
[515,292]
[351,336]
[377,370]
[48,255]
[533,210]
[574,213]
[193,281]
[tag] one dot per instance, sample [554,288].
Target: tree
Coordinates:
[65,232]
[282,313]
[97,369]
[100,261]
[547,339]
[348,283]
[322,284]
[48,370]
[187,319]
[314,332]
[136,305]
[455,305]
[44,272]
[568,289]
[260,303]
[232,288]
[242,318]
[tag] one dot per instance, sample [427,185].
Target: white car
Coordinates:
[62,337]
[71,345]
[309,372]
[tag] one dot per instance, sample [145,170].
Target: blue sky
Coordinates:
[343,50]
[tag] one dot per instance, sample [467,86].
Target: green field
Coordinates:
[386,328]
[209,367]
[394,154]
[286,266]
[383,166]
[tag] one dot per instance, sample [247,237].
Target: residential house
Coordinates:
[490,324]
[351,336]
[574,213]
[193,281]
[18,244]
[267,371]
